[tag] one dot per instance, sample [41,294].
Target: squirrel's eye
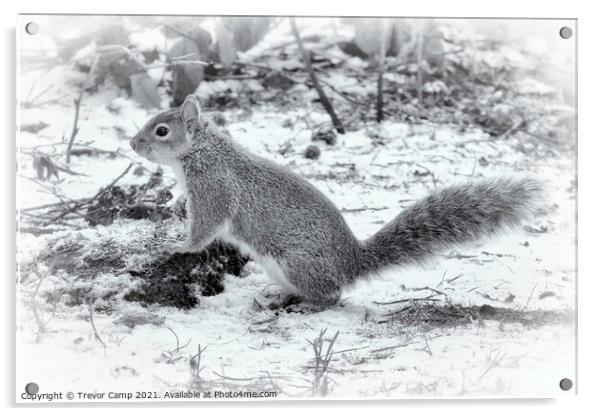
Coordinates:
[162,131]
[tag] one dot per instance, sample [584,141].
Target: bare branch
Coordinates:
[419,58]
[78,102]
[89,200]
[381,70]
[314,79]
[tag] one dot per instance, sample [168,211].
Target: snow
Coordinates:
[249,348]
[240,346]
[149,39]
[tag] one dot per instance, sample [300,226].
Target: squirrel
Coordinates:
[288,226]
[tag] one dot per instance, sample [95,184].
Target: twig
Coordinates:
[121,175]
[96,336]
[78,101]
[232,77]
[344,95]
[29,104]
[183,63]
[455,278]
[363,209]
[404,344]
[179,61]
[419,58]
[75,129]
[430,172]
[89,200]
[433,290]
[516,126]
[314,79]
[178,347]
[37,310]
[511,130]
[257,66]
[36,154]
[195,362]
[495,362]
[246,379]
[321,365]
[340,352]
[529,298]
[52,205]
[36,230]
[408,300]
[381,71]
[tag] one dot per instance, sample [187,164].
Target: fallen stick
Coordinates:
[314,79]
[78,102]
[407,300]
[405,344]
[75,129]
[381,72]
[87,201]
[363,209]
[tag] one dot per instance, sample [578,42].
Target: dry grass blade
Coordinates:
[96,336]
[321,382]
[195,363]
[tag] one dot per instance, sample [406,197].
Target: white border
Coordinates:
[589,185]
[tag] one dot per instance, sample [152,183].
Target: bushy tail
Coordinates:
[453,215]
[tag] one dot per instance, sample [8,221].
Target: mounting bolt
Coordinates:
[566,32]
[566,384]
[32,388]
[32,28]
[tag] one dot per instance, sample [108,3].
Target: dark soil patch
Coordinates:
[174,280]
[171,279]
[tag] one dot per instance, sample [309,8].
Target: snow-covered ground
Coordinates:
[370,174]
[522,270]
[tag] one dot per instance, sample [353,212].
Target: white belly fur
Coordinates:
[180,177]
[269,264]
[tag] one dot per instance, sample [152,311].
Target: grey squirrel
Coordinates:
[292,229]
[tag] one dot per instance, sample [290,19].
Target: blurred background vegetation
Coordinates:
[504,76]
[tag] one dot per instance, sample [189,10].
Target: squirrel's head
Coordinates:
[171,133]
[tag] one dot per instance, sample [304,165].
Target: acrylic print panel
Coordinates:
[233,247]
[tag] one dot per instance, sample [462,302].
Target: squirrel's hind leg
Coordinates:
[278,276]
[324,299]
[309,281]
[316,282]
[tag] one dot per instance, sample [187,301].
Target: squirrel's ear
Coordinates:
[190,115]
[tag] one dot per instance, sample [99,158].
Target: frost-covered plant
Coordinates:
[323,349]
